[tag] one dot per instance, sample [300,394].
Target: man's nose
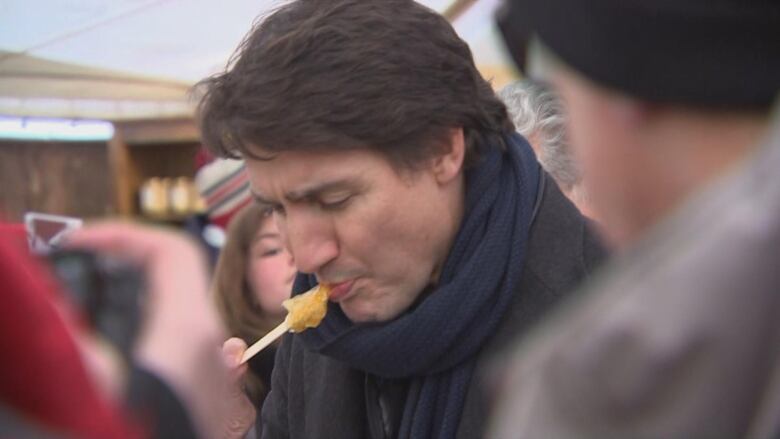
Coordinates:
[311,241]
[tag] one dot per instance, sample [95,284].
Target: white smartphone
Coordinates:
[46,231]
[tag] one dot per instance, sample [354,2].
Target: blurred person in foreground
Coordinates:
[254,275]
[540,116]
[670,109]
[60,380]
[394,175]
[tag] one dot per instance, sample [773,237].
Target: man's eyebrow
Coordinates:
[260,200]
[317,189]
[310,192]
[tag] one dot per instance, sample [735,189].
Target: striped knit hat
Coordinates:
[224,186]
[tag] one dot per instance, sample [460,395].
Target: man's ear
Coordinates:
[449,164]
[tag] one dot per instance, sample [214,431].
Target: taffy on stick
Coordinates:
[303,311]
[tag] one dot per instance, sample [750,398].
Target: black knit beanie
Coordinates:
[709,53]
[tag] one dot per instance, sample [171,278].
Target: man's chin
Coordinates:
[356,315]
[360,312]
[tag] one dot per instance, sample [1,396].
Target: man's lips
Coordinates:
[340,290]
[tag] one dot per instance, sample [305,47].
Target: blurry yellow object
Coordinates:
[154,197]
[179,196]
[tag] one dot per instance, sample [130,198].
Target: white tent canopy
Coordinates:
[31,86]
[131,59]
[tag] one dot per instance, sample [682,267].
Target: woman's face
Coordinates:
[270,270]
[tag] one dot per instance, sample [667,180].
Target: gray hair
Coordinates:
[538,113]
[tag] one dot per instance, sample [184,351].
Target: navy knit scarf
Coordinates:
[435,344]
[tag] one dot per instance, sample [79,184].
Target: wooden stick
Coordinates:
[265,341]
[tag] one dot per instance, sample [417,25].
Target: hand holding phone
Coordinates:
[107,291]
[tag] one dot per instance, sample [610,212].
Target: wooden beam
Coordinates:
[457,8]
[156,131]
[125,176]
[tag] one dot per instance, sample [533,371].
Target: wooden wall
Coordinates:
[94,179]
[67,178]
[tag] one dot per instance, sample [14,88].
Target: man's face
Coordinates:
[617,172]
[376,234]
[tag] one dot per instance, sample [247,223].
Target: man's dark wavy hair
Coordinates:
[390,75]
